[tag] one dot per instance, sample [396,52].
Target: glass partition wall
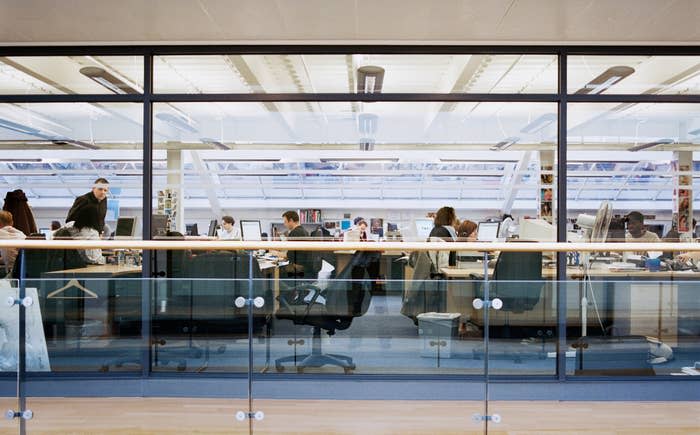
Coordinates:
[504,146]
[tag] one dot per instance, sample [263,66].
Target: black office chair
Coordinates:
[200,304]
[304,304]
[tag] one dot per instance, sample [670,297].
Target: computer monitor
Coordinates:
[191,229]
[487,231]
[345,224]
[159,225]
[391,227]
[423,228]
[126,227]
[47,233]
[212,228]
[537,230]
[250,230]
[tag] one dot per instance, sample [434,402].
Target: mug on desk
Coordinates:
[652,264]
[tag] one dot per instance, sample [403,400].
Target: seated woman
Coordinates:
[85,228]
[444,230]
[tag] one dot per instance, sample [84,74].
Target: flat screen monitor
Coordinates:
[212,228]
[159,225]
[392,227]
[345,224]
[423,228]
[487,231]
[126,227]
[191,229]
[48,234]
[250,230]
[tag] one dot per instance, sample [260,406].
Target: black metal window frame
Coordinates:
[561,97]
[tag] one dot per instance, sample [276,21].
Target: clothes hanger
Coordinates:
[72,283]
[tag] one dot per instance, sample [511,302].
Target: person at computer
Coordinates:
[299,261]
[467,231]
[84,228]
[7,231]
[444,229]
[96,197]
[365,261]
[228,229]
[637,233]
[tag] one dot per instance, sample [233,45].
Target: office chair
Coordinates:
[424,293]
[330,309]
[200,303]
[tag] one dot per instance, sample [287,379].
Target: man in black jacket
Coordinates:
[98,197]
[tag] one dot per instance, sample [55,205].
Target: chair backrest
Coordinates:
[518,280]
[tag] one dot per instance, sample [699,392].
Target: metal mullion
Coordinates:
[147,207]
[72,98]
[633,98]
[561,216]
[350,97]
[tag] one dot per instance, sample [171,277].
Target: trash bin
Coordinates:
[436,331]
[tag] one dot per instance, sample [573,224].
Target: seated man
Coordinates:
[7,231]
[636,232]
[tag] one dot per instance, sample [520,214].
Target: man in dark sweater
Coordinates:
[299,261]
[98,197]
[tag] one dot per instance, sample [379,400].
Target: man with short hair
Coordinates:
[7,231]
[228,229]
[299,261]
[637,232]
[98,197]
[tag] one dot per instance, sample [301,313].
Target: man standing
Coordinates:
[98,197]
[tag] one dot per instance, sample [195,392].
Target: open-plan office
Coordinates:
[371,148]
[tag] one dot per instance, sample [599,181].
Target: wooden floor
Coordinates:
[210,416]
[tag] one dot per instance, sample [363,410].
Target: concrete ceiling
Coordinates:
[86,22]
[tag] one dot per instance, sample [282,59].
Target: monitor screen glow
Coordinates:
[488,231]
[423,228]
[250,230]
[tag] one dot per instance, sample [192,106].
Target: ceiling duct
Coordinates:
[370,79]
[505,143]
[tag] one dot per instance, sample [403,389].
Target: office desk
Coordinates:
[635,302]
[117,302]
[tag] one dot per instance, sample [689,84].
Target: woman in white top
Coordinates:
[228,229]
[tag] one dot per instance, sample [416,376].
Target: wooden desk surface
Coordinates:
[98,269]
[599,271]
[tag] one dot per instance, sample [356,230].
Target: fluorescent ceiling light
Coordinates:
[694,132]
[539,123]
[362,159]
[107,80]
[177,122]
[650,144]
[505,143]
[14,126]
[370,79]
[243,160]
[608,78]
[215,143]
